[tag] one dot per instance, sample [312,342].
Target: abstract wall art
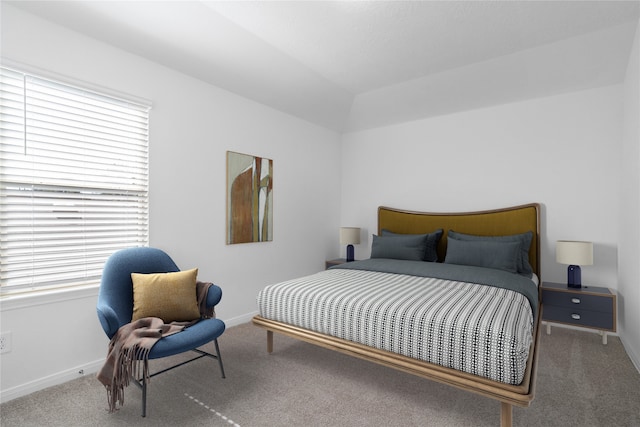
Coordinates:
[249,198]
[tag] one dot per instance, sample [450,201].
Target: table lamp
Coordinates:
[349,236]
[574,254]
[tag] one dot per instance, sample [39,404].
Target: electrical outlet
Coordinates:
[5,342]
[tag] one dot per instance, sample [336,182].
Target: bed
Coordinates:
[451,297]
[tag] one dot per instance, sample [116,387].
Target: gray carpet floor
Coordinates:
[580,382]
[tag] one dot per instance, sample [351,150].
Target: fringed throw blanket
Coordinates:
[130,346]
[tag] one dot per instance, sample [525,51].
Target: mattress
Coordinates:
[479,329]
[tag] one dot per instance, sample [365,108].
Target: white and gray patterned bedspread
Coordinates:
[482,330]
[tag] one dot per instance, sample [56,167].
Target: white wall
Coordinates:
[192,126]
[578,154]
[561,151]
[629,232]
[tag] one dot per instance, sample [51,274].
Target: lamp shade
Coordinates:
[574,253]
[349,235]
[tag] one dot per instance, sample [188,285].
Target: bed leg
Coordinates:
[506,415]
[269,341]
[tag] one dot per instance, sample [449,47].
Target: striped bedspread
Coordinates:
[482,330]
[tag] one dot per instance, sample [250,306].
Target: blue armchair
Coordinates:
[115,308]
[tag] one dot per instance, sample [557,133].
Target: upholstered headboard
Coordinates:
[498,222]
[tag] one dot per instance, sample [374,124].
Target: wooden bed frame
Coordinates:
[513,220]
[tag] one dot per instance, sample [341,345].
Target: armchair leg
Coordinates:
[142,382]
[219,357]
[145,371]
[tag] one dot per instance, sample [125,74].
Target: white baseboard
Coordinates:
[86,369]
[635,358]
[239,320]
[93,367]
[51,380]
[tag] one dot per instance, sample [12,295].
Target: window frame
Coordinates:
[89,200]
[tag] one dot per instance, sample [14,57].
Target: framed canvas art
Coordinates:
[249,198]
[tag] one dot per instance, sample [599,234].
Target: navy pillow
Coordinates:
[524,268]
[431,246]
[484,253]
[409,247]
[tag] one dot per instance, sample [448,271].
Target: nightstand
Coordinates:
[589,307]
[333,262]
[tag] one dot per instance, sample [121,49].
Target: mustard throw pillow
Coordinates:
[169,296]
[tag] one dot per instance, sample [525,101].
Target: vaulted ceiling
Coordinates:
[353,65]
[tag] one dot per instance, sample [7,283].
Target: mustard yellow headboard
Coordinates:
[498,222]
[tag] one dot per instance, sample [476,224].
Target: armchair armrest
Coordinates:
[214,295]
[108,319]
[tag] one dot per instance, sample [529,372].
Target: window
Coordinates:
[73,181]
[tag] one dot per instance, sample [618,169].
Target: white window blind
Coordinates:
[73,181]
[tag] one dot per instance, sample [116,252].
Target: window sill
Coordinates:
[35,298]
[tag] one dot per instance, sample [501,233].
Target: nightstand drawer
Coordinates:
[578,317]
[577,301]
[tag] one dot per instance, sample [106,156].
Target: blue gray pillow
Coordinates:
[523,239]
[431,242]
[484,253]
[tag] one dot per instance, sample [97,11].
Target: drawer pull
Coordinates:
[575,316]
[575,300]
